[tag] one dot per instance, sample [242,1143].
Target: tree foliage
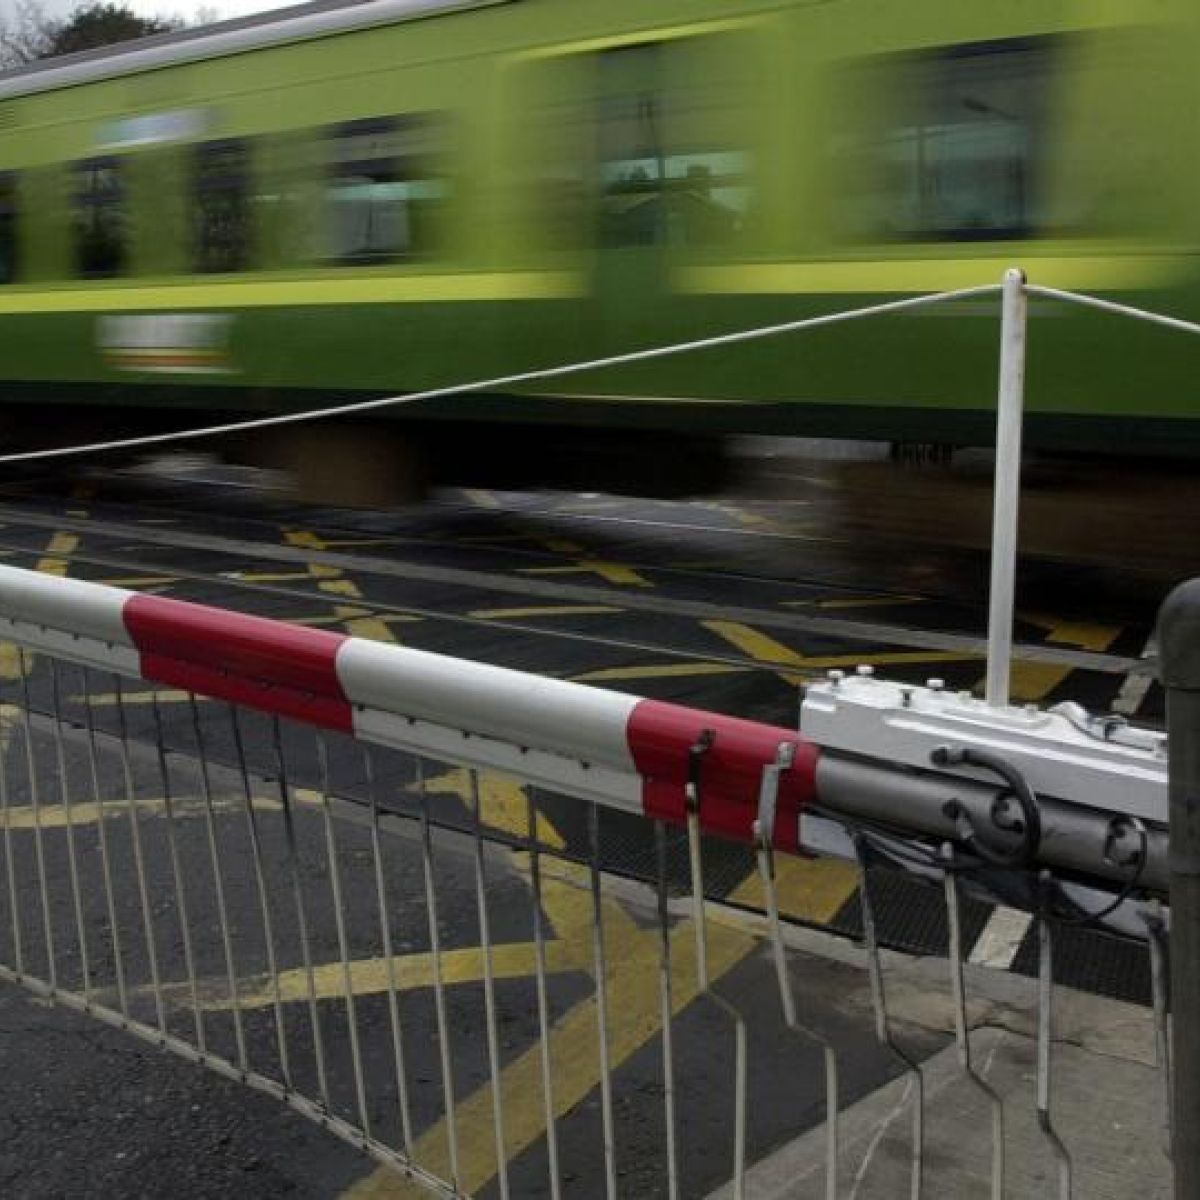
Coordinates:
[29,34]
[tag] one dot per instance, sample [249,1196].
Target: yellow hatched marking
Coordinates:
[513,960]
[546,610]
[766,649]
[1033,681]
[53,815]
[166,696]
[635,1006]
[807,889]
[60,543]
[357,621]
[673,670]
[610,571]
[504,803]
[857,602]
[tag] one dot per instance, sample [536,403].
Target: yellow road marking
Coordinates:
[1033,681]
[674,670]
[807,889]
[52,815]
[166,696]
[545,610]
[611,571]
[504,803]
[370,976]
[60,543]
[763,648]
[635,1006]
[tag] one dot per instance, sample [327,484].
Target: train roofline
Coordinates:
[302,22]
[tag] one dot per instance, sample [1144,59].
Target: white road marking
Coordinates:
[1001,937]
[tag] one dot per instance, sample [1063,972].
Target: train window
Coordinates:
[8,226]
[385,189]
[101,228]
[948,146]
[221,206]
[671,168]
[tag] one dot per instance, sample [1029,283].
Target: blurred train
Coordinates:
[340,201]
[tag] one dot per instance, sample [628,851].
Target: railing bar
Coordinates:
[189,957]
[105,852]
[139,857]
[389,955]
[1111,306]
[35,802]
[882,1026]
[1160,987]
[1044,1048]
[214,854]
[9,857]
[543,1000]
[264,898]
[293,858]
[489,987]
[439,989]
[339,915]
[962,1034]
[696,861]
[60,753]
[600,968]
[667,1012]
[787,998]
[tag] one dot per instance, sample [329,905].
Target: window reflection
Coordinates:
[384,190]
[100,219]
[222,209]
[8,227]
[955,146]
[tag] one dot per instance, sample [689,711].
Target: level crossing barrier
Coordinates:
[216,826]
[211,820]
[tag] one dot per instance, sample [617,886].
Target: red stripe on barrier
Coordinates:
[269,665]
[661,737]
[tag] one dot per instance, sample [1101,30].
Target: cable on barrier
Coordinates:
[1030,827]
[500,381]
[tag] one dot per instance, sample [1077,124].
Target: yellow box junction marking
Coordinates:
[612,572]
[635,1007]
[812,890]
[1034,681]
[375,627]
[545,610]
[504,803]
[765,649]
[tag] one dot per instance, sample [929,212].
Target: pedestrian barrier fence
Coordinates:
[377,883]
[235,838]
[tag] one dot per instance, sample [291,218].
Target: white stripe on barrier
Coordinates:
[584,723]
[89,610]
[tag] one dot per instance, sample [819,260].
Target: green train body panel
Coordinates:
[518,268]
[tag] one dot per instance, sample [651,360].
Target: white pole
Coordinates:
[1007,485]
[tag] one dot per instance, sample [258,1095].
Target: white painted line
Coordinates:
[1001,937]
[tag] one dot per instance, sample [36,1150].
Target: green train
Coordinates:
[342,201]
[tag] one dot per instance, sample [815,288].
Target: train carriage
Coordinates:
[343,201]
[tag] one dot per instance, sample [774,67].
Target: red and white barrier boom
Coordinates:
[1009,787]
